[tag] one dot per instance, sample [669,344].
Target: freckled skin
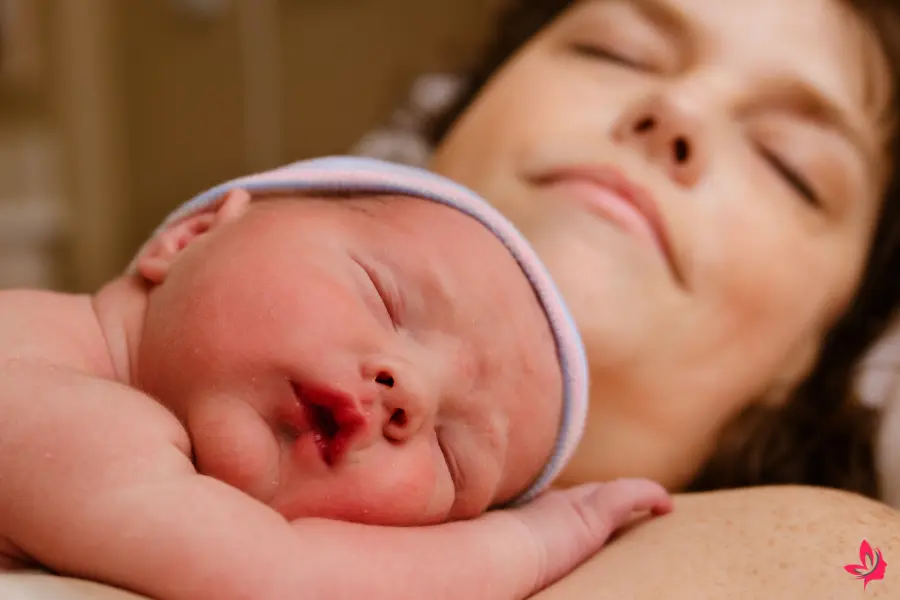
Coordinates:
[769,542]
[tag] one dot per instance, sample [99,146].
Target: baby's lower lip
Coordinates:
[331,418]
[306,442]
[299,423]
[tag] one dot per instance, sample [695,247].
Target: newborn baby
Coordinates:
[340,338]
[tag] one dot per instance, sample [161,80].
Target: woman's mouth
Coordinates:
[333,417]
[608,193]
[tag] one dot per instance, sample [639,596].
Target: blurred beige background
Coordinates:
[112,112]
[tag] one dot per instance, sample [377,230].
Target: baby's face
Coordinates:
[377,360]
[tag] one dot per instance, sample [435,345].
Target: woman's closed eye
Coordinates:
[790,175]
[599,52]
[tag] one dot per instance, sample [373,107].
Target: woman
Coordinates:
[723,341]
[725,317]
[766,209]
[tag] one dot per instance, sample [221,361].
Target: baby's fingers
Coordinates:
[570,525]
[618,500]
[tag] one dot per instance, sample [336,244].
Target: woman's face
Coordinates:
[702,177]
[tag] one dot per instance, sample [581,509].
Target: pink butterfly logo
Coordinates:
[871,565]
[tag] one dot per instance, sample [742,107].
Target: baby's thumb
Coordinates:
[569,526]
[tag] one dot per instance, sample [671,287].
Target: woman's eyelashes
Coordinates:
[599,52]
[792,177]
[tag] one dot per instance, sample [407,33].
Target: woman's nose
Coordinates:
[406,403]
[669,135]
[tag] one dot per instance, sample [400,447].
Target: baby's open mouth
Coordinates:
[334,417]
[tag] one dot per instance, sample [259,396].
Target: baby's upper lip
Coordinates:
[614,180]
[335,417]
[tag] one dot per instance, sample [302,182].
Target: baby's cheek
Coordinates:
[233,444]
[395,488]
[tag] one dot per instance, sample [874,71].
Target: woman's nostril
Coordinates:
[384,378]
[398,417]
[682,150]
[644,125]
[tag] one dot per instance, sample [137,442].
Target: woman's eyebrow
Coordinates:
[664,16]
[670,18]
[800,94]
[660,16]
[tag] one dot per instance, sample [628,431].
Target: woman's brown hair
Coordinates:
[823,435]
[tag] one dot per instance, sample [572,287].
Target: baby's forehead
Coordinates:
[347,207]
[414,221]
[453,266]
[386,206]
[469,281]
[448,252]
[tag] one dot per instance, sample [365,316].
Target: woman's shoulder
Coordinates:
[785,500]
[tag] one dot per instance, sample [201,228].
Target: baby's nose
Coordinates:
[406,404]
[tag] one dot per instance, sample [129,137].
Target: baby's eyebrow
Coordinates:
[431,285]
[366,204]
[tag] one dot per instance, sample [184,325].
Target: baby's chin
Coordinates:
[363,513]
[340,502]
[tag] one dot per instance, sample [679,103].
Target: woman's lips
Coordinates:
[333,418]
[607,192]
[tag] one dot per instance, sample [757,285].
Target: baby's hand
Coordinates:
[564,528]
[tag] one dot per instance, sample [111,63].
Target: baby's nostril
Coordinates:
[385,379]
[644,124]
[682,150]
[398,417]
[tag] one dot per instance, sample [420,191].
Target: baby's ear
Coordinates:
[163,250]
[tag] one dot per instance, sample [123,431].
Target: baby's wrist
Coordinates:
[507,553]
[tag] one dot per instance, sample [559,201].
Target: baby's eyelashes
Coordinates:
[384,292]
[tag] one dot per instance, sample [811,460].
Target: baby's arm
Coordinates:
[97,483]
[508,554]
